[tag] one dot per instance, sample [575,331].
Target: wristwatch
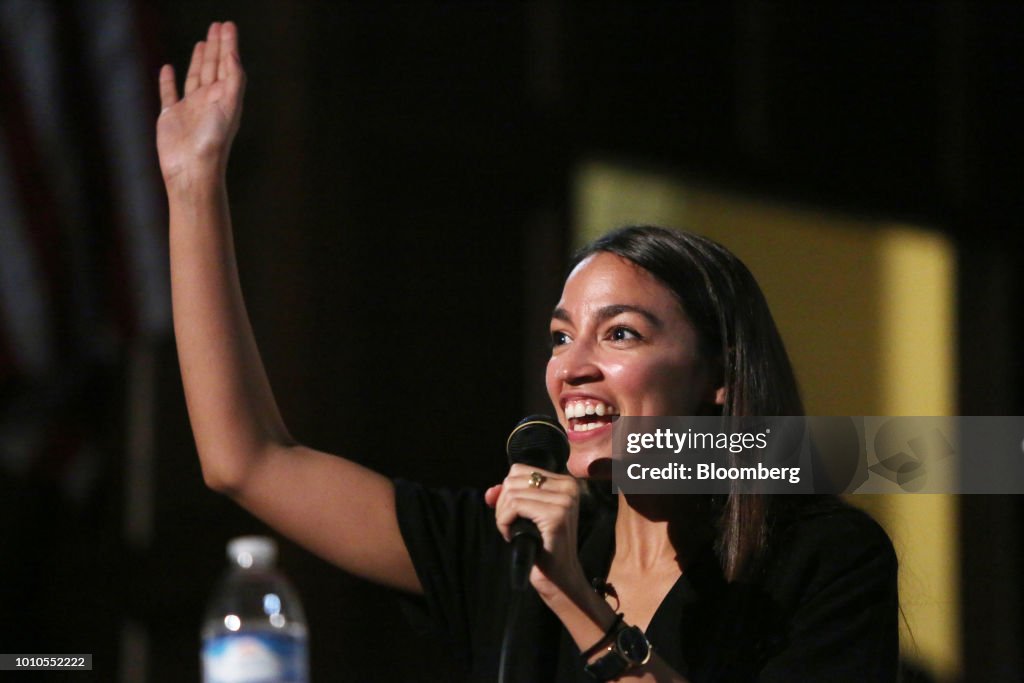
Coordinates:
[628,650]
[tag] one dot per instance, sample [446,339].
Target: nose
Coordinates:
[577,365]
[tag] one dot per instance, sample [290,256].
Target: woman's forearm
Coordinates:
[587,618]
[232,410]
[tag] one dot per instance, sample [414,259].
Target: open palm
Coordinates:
[194,132]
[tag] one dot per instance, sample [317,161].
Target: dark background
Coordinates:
[401,189]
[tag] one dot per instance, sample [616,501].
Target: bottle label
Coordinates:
[255,657]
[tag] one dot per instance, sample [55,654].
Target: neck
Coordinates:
[660,531]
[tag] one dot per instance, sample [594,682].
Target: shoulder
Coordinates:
[442,515]
[826,523]
[823,604]
[817,542]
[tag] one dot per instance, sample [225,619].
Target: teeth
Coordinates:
[577,409]
[587,426]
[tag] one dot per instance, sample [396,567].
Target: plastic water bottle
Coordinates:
[254,630]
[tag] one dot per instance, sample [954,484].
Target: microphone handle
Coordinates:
[526,541]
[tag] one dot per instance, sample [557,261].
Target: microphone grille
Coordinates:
[540,441]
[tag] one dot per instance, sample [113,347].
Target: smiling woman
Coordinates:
[622,345]
[738,587]
[650,322]
[716,321]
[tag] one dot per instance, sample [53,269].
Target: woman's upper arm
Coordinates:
[337,509]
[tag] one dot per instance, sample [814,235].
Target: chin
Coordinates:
[589,466]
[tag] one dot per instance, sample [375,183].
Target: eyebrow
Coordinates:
[607,312]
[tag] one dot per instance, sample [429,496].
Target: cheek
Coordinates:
[662,388]
[551,380]
[633,386]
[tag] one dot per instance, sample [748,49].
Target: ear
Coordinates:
[714,402]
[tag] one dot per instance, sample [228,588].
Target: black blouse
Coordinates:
[823,608]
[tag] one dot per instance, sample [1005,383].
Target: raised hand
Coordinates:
[194,132]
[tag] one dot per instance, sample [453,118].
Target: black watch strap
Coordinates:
[608,667]
[629,648]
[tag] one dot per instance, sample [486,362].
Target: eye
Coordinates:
[559,338]
[621,333]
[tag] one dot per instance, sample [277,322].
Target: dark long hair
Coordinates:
[737,336]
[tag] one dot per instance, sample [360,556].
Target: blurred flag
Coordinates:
[83,264]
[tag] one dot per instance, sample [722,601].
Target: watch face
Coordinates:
[633,645]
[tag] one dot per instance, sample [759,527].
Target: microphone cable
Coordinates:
[511,618]
[538,441]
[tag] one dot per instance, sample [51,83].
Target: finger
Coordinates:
[505,515]
[518,502]
[228,50]
[521,476]
[524,471]
[540,495]
[539,511]
[208,72]
[168,90]
[492,495]
[192,77]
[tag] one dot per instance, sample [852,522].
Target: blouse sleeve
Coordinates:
[457,553]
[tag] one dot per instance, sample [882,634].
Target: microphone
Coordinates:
[538,441]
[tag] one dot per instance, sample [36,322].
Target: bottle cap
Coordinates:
[250,551]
